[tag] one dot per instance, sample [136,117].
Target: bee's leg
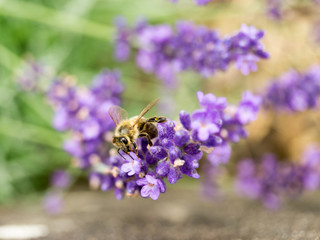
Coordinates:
[157,119]
[135,148]
[120,153]
[148,138]
[130,155]
[127,152]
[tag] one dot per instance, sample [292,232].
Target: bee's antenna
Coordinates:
[144,111]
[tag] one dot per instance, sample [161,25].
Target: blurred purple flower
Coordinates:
[211,101]
[260,182]
[247,64]
[220,155]
[202,2]
[73,147]
[198,2]
[165,51]
[122,46]
[175,153]
[272,180]
[248,108]
[311,168]
[53,203]
[294,91]
[60,179]
[275,9]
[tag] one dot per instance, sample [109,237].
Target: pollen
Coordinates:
[178,163]
[83,113]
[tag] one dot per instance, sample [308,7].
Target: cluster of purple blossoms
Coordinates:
[294,91]
[165,52]
[177,150]
[84,112]
[274,9]
[273,180]
[277,9]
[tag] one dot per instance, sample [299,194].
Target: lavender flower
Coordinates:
[262,183]
[248,108]
[247,64]
[151,187]
[132,165]
[311,168]
[278,9]
[294,91]
[275,9]
[220,155]
[53,203]
[175,153]
[84,111]
[122,47]
[272,181]
[60,179]
[165,51]
[235,117]
[203,125]
[198,2]
[202,2]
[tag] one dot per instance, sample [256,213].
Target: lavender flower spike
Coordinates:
[294,91]
[198,2]
[271,180]
[176,152]
[248,107]
[167,51]
[151,187]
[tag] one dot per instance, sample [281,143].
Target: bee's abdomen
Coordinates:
[151,129]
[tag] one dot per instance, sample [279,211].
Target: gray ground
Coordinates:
[178,214]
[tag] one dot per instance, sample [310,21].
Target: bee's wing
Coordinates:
[117,114]
[145,110]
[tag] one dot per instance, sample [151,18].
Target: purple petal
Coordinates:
[155,192]
[142,181]
[146,191]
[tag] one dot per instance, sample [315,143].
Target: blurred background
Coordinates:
[76,37]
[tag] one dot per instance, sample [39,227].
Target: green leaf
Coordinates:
[54,18]
[28,132]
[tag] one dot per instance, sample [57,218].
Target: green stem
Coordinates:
[28,132]
[54,18]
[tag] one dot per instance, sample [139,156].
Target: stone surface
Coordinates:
[178,214]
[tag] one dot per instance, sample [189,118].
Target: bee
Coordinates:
[129,130]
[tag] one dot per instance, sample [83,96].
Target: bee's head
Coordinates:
[121,142]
